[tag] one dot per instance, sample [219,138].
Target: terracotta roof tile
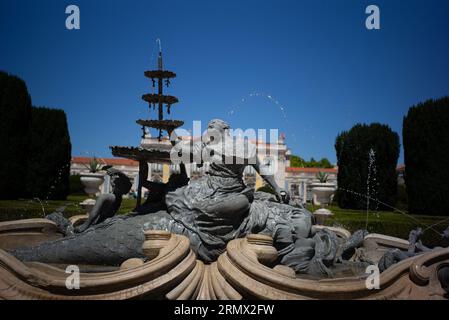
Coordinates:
[312,170]
[106,161]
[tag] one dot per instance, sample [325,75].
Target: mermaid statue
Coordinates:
[210,211]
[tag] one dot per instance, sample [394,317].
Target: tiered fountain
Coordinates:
[153,153]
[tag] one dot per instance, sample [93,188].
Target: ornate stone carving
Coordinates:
[247,270]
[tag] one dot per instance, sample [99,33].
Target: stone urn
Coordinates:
[92,182]
[322,193]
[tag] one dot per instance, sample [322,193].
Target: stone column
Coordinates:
[304,188]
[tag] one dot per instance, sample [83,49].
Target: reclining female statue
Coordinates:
[106,205]
[210,211]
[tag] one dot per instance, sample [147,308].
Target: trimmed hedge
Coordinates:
[35,146]
[426,154]
[50,155]
[76,187]
[353,148]
[15,118]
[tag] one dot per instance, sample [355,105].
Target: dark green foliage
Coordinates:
[15,115]
[298,162]
[353,149]
[426,154]
[50,155]
[402,200]
[324,163]
[34,145]
[76,187]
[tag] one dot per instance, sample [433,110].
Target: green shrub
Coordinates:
[34,145]
[76,187]
[15,117]
[353,148]
[298,162]
[402,199]
[426,155]
[50,155]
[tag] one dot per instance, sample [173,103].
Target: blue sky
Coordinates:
[316,58]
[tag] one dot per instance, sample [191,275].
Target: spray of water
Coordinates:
[42,206]
[394,209]
[56,181]
[370,186]
[160,44]
[270,98]
[436,224]
[263,95]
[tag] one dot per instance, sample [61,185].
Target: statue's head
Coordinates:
[119,181]
[218,128]
[218,124]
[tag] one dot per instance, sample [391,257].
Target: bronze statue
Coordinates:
[107,205]
[210,211]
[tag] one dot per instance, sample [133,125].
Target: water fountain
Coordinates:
[263,249]
[155,153]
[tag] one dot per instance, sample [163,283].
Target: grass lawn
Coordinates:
[385,222]
[27,209]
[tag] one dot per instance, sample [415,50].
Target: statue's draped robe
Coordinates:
[212,207]
[219,206]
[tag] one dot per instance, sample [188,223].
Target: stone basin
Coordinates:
[244,271]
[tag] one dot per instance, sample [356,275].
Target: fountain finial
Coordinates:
[159,61]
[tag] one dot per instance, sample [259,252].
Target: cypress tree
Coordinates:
[353,156]
[15,116]
[50,154]
[426,154]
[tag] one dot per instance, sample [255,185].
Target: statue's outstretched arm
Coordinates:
[102,210]
[150,185]
[269,178]
[143,172]
[187,152]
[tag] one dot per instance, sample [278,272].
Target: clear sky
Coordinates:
[316,58]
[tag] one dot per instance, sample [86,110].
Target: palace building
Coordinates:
[295,180]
